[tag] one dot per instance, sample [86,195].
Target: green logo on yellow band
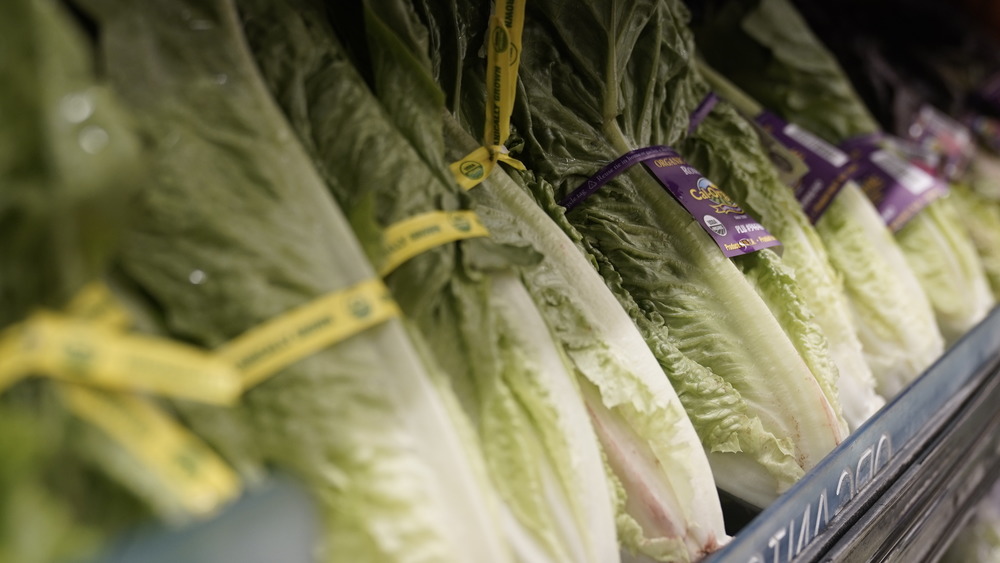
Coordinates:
[471,169]
[360,308]
[461,224]
[500,40]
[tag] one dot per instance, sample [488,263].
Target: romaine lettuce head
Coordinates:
[941,253]
[978,199]
[727,149]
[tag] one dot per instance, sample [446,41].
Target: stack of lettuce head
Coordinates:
[727,148]
[766,49]
[599,83]
[667,505]
[940,59]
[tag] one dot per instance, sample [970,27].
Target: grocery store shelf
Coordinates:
[923,509]
[902,484]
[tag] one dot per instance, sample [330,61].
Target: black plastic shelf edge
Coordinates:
[917,517]
[844,486]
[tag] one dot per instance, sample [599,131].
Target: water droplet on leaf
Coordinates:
[93,139]
[76,108]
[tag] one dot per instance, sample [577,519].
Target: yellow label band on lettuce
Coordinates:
[502,61]
[89,347]
[413,236]
[264,350]
[93,302]
[200,480]
[92,354]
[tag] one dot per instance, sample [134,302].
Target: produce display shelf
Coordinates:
[901,485]
[897,489]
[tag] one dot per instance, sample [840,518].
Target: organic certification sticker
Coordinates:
[732,229]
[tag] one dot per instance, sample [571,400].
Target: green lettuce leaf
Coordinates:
[982,217]
[895,321]
[941,253]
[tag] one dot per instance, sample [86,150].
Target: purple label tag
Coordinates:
[829,167]
[898,188]
[730,227]
[947,144]
[604,175]
[701,112]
